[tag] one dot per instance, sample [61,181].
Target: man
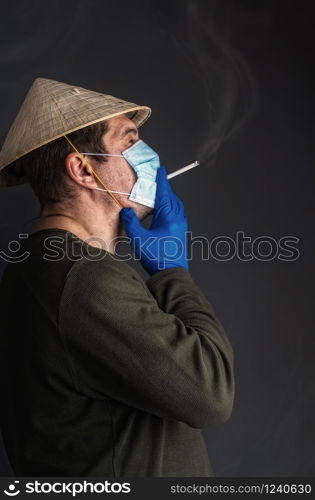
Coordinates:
[103,374]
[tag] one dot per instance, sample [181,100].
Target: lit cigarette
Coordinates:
[169,176]
[184,169]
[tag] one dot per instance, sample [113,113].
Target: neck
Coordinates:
[93,225]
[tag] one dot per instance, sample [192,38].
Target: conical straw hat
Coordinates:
[51,109]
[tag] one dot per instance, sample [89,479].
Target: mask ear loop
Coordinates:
[89,166]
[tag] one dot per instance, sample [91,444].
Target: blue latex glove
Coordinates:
[164,245]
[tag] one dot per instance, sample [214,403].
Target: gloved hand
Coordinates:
[164,245]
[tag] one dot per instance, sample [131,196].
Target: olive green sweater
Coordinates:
[104,374]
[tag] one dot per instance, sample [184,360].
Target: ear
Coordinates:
[79,171]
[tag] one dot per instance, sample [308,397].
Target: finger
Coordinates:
[163,189]
[131,223]
[134,230]
[175,202]
[179,206]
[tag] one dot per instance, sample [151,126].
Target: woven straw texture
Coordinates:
[51,109]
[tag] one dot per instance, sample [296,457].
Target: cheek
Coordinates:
[130,176]
[122,176]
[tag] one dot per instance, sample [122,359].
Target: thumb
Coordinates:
[131,223]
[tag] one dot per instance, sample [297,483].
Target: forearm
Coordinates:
[210,361]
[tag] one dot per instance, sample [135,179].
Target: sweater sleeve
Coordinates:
[155,346]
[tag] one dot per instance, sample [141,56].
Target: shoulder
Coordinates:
[101,290]
[93,276]
[98,266]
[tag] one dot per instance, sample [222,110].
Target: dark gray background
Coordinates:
[230,83]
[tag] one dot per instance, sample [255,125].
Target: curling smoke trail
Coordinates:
[205,40]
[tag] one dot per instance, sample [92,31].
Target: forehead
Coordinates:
[118,123]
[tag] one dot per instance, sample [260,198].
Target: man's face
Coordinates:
[116,172]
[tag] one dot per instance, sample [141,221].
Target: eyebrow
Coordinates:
[128,131]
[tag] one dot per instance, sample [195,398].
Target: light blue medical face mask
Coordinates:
[145,162]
